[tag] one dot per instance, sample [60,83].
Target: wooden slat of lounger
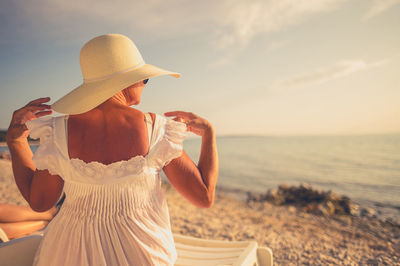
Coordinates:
[242,257]
[210,243]
[249,255]
[198,262]
[194,254]
[181,246]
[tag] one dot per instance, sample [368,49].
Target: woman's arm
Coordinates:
[196,183]
[14,213]
[20,229]
[40,189]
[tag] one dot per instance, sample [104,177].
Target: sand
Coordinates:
[294,236]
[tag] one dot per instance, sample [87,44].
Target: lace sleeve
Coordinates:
[175,134]
[46,155]
[171,142]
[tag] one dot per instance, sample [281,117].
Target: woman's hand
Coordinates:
[34,109]
[194,123]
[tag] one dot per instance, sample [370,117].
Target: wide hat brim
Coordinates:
[91,94]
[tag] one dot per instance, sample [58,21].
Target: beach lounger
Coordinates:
[196,251]
[19,251]
[191,251]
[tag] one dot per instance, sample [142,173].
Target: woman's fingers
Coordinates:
[194,123]
[39,101]
[27,113]
[35,108]
[181,114]
[40,114]
[172,113]
[178,119]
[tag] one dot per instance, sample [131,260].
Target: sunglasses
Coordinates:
[145,81]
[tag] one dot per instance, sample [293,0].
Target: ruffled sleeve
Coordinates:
[47,154]
[170,146]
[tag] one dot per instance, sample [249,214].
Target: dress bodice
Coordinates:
[117,209]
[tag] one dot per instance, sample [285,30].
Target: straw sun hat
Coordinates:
[109,64]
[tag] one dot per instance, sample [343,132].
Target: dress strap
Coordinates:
[61,134]
[149,123]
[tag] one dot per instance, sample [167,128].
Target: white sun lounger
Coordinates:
[191,251]
[19,251]
[196,251]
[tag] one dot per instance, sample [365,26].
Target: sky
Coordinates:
[283,67]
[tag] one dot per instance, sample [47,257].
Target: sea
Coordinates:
[366,168]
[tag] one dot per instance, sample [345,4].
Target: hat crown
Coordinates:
[108,54]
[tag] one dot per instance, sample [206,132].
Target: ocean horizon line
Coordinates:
[239,135]
[192,136]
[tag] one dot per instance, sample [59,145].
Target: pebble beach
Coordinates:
[296,237]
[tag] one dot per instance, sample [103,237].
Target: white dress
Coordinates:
[113,214]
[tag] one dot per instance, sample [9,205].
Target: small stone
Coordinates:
[292,209]
[284,187]
[330,208]
[367,212]
[354,209]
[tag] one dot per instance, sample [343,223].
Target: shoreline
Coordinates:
[33,143]
[295,237]
[376,209]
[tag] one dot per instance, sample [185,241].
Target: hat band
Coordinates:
[113,74]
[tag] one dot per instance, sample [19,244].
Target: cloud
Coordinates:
[226,59]
[380,6]
[226,23]
[67,20]
[230,55]
[244,20]
[322,75]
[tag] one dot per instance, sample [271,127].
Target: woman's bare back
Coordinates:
[107,137]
